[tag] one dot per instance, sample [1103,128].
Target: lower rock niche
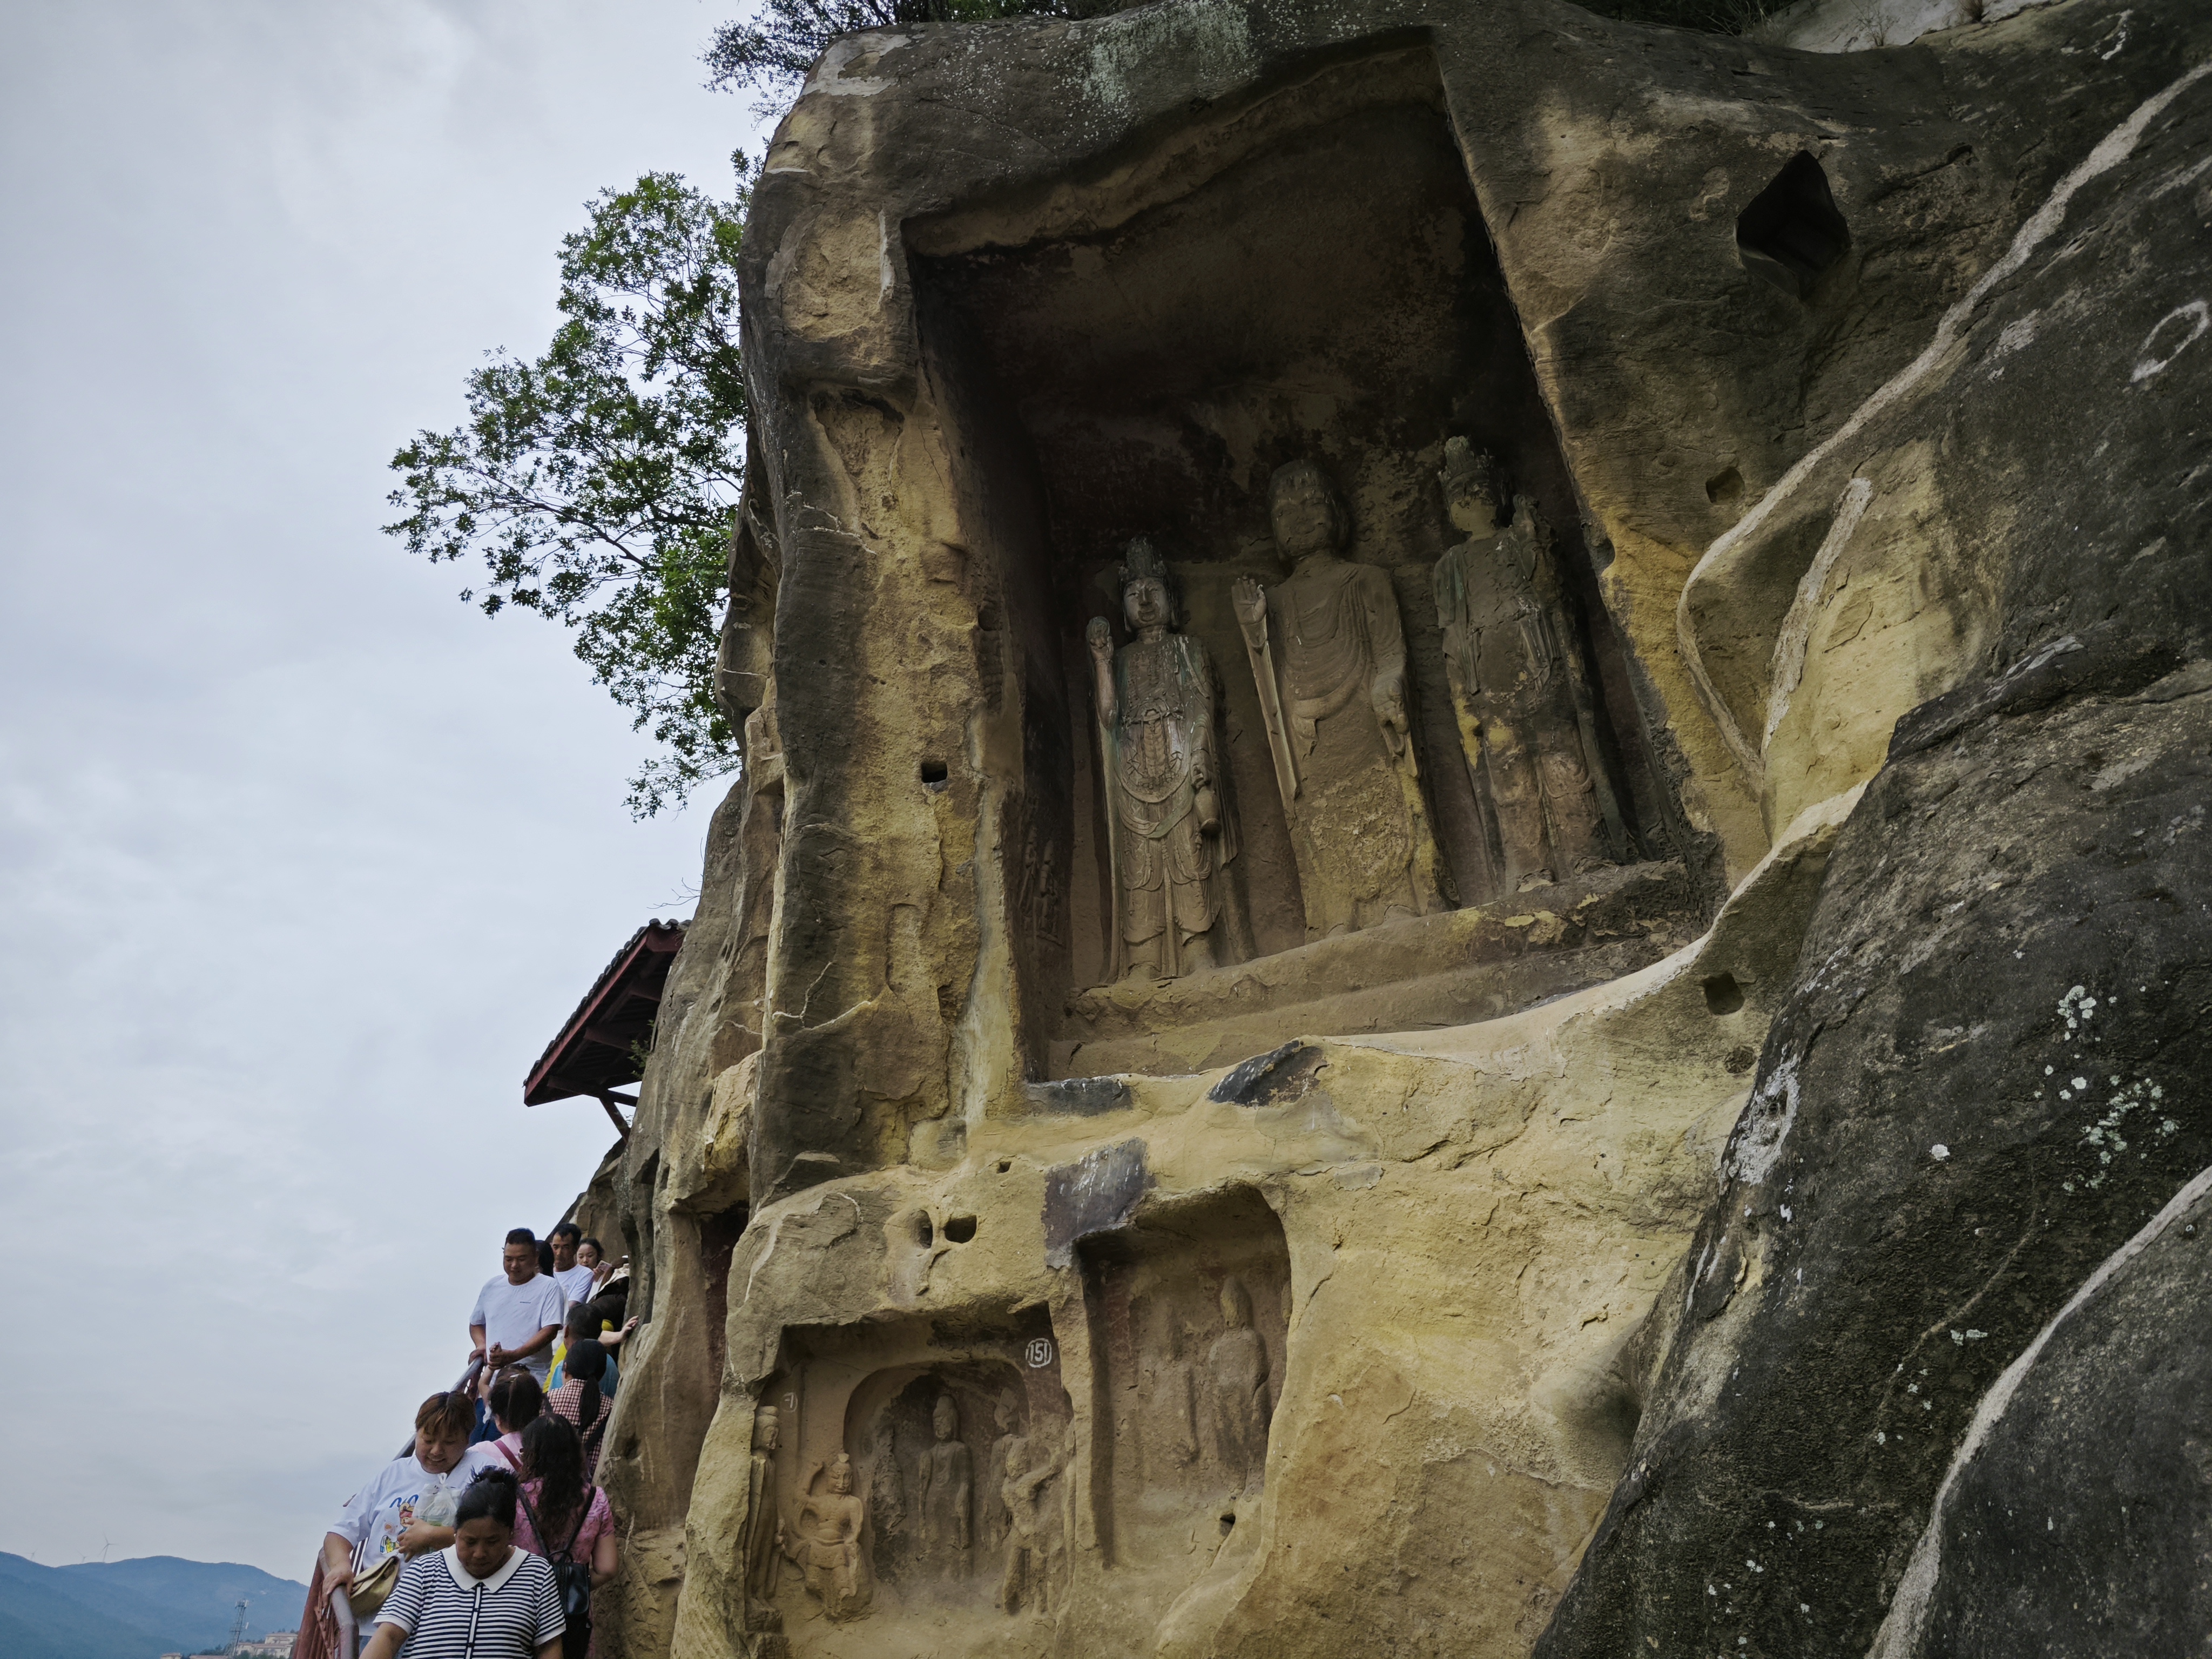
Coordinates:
[929,1495]
[1190,1315]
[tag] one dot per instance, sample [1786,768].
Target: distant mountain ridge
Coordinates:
[136,1609]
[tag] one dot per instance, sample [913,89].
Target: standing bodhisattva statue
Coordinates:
[1167,828]
[1329,654]
[763,1526]
[1518,684]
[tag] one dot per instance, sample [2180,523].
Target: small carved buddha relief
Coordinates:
[1167,831]
[1519,686]
[1236,1385]
[1328,653]
[947,1479]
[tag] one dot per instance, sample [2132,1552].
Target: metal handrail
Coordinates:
[345,1628]
[347,1642]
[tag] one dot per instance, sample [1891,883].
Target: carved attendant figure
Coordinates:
[886,1487]
[1329,655]
[1236,1374]
[763,1528]
[1169,836]
[1521,695]
[994,1520]
[946,1477]
[828,1545]
[1035,1534]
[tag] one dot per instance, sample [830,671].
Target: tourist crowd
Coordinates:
[486,1538]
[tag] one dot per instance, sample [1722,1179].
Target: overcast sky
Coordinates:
[301,860]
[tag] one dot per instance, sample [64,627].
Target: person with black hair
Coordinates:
[481,1597]
[561,1516]
[406,1509]
[515,1401]
[601,1321]
[573,1276]
[518,1315]
[579,1402]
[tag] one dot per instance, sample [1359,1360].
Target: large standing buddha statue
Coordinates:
[1329,654]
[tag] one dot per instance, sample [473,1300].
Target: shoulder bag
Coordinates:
[370,1590]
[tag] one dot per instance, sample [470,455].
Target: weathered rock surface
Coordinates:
[1779,1242]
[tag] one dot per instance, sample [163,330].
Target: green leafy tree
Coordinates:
[597,481]
[772,55]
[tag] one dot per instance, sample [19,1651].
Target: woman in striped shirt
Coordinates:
[480,1599]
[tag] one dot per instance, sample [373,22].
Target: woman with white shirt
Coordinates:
[408,1506]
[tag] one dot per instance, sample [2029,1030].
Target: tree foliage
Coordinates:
[772,55]
[597,481]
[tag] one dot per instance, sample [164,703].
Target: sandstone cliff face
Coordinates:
[1774,1237]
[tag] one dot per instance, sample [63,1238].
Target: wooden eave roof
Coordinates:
[596,1051]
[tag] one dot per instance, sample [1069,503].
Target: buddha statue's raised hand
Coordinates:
[1250,600]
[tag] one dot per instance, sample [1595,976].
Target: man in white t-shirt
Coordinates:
[518,1315]
[575,1280]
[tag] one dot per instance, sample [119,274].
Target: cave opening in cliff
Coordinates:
[1306,277]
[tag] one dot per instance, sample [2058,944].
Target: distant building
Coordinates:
[277,1645]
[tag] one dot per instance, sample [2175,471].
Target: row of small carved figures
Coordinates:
[828,1541]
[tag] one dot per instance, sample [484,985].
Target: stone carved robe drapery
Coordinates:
[1520,688]
[760,1522]
[1358,827]
[947,1479]
[1170,832]
[1236,1380]
[991,1522]
[826,1542]
[1162,752]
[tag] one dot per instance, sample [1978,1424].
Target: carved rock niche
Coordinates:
[1190,1316]
[1305,278]
[958,1437]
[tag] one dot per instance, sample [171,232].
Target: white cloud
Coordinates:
[301,861]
